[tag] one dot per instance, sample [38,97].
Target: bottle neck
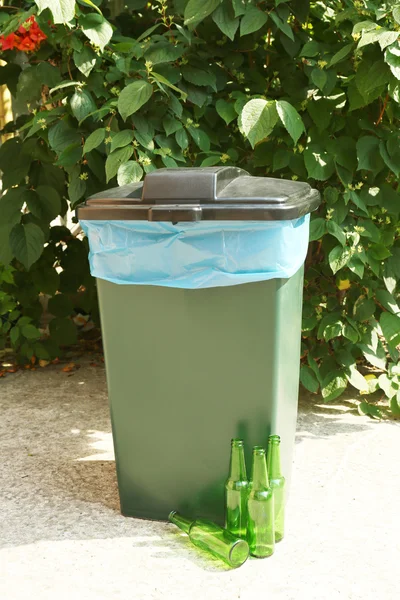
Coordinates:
[259,472]
[237,470]
[274,460]
[180,521]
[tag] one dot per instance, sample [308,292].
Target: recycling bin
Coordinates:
[200,275]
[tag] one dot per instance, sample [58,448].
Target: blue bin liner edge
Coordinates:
[196,255]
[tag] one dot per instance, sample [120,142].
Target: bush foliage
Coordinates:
[293,89]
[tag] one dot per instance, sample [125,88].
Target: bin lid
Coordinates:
[203,193]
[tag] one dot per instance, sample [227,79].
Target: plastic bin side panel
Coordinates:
[187,370]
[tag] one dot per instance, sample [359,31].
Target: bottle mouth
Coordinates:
[237,442]
[239,553]
[258,450]
[171,515]
[274,439]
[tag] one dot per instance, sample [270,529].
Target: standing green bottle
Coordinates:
[236,491]
[260,524]
[277,482]
[214,539]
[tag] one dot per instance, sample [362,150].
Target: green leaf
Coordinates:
[224,18]
[389,160]
[129,172]
[76,190]
[199,77]
[291,119]
[319,78]
[239,7]
[310,49]
[201,139]
[63,331]
[253,20]
[390,325]
[30,332]
[175,104]
[211,161]
[70,156]
[350,333]
[44,203]
[387,38]
[96,29]
[121,139]
[60,305]
[226,110]
[386,299]
[379,252]
[395,405]
[10,208]
[116,159]
[396,14]
[63,11]
[171,125]
[392,58]
[333,386]
[61,136]
[197,10]
[376,358]
[133,97]
[336,231]
[182,139]
[82,104]
[355,378]
[46,280]
[369,410]
[94,140]
[308,379]
[317,229]
[258,119]
[332,330]
[319,163]
[364,309]
[371,79]
[26,242]
[368,154]
[356,266]
[338,258]
[341,54]
[85,60]
[331,195]
[164,52]
[282,25]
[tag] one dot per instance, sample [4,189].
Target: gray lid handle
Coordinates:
[187,185]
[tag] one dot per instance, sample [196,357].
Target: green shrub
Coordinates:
[297,89]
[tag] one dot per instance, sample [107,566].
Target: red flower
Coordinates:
[8,43]
[37,36]
[26,44]
[27,39]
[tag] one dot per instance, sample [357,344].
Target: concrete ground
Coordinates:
[62,536]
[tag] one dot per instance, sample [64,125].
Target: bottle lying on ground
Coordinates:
[260,523]
[213,539]
[277,483]
[236,491]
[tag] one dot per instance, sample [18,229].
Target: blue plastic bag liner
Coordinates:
[196,255]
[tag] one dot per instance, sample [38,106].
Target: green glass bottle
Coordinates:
[236,492]
[260,523]
[277,482]
[213,539]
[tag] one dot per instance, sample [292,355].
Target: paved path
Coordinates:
[61,536]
